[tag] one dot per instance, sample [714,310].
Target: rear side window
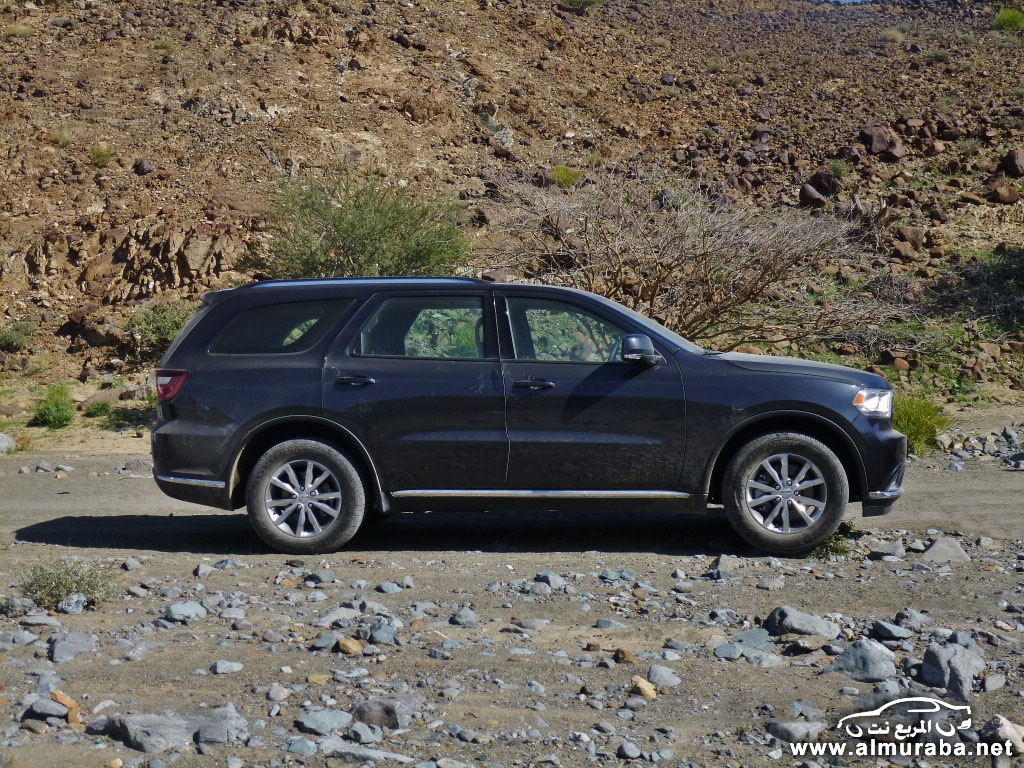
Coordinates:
[279,328]
[430,327]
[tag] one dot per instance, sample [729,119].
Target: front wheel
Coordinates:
[785,492]
[305,497]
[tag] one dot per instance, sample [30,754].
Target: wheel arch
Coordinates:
[266,435]
[810,424]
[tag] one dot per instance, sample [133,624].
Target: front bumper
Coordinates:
[880,502]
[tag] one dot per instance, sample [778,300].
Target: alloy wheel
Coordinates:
[785,493]
[303,498]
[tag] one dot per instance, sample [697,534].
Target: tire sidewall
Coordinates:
[756,451]
[353,497]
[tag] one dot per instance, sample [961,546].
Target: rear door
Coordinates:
[580,418]
[419,383]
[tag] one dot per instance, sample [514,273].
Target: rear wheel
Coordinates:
[785,492]
[305,497]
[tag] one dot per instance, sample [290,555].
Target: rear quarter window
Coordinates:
[279,328]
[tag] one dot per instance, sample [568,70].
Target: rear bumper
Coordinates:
[209,493]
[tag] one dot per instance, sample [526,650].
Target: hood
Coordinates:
[794,365]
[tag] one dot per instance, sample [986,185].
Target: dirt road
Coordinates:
[454,639]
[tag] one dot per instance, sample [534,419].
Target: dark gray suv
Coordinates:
[317,403]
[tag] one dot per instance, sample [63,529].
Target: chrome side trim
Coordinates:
[191,481]
[443,493]
[895,493]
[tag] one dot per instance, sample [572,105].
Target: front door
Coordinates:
[420,385]
[579,417]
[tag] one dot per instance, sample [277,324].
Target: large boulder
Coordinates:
[785,620]
[1013,164]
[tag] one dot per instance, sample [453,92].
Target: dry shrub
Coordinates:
[707,268]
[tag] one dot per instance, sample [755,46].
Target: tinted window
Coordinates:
[426,327]
[279,328]
[543,329]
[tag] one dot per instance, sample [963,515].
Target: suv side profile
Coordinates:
[318,403]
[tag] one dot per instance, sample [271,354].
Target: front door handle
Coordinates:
[354,381]
[534,384]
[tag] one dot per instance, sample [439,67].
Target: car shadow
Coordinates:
[484,531]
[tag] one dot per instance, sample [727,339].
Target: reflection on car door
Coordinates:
[578,417]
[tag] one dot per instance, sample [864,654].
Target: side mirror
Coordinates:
[638,348]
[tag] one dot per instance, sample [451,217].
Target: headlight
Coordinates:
[874,402]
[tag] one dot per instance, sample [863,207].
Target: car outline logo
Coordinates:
[925,705]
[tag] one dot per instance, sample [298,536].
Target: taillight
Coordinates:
[168,384]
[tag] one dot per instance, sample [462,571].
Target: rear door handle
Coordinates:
[534,384]
[354,381]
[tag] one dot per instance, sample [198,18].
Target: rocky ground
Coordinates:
[480,639]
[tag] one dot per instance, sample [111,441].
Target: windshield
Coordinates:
[654,326]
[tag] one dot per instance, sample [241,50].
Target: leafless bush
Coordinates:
[705,268]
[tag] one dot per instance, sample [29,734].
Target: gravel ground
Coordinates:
[493,639]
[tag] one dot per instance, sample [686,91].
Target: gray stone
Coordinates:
[609,624]
[221,667]
[945,550]
[465,617]
[662,676]
[994,682]
[391,712]
[883,630]
[388,587]
[785,620]
[550,578]
[728,651]
[185,612]
[758,639]
[795,732]
[912,619]
[882,549]
[334,746]
[73,604]
[952,667]
[7,444]
[45,707]
[323,721]
[65,647]
[866,660]
[303,747]
[361,733]
[131,564]
[628,751]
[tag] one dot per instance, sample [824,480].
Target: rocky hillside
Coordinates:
[140,142]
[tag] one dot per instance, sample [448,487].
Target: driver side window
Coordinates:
[545,329]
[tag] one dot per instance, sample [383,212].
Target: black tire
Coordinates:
[343,479]
[747,465]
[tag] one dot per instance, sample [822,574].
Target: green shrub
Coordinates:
[565,177]
[891,35]
[920,420]
[60,138]
[580,6]
[342,229]
[95,410]
[19,30]
[836,545]
[839,168]
[968,146]
[940,57]
[101,155]
[15,336]
[152,329]
[56,409]
[50,582]
[1009,19]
